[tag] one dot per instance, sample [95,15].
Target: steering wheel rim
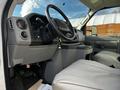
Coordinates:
[52,22]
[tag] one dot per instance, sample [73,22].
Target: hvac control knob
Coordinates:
[24,34]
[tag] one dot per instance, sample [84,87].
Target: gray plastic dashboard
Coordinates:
[20,50]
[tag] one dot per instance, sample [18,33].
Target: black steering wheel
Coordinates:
[63,28]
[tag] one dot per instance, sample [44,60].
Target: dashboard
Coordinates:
[34,27]
[41,31]
[31,39]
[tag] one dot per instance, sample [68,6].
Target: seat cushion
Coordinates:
[87,75]
[108,58]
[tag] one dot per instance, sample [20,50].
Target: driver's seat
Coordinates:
[87,75]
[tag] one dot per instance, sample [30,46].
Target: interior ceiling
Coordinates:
[99,4]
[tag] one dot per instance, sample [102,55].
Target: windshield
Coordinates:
[73,9]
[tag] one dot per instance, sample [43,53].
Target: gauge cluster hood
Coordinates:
[99,4]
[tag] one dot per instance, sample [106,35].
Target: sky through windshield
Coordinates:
[72,8]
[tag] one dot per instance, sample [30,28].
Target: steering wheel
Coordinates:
[63,28]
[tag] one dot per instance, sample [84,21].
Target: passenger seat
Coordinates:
[87,75]
[108,58]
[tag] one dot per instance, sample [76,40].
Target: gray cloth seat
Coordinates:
[108,58]
[87,75]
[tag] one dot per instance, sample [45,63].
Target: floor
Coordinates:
[36,85]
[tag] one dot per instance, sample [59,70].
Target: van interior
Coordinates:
[55,41]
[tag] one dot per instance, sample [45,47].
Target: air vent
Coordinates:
[21,24]
[10,24]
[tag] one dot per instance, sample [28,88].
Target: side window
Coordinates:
[105,23]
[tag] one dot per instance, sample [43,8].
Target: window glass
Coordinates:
[105,22]
[73,9]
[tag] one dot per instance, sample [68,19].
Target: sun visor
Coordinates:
[99,4]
